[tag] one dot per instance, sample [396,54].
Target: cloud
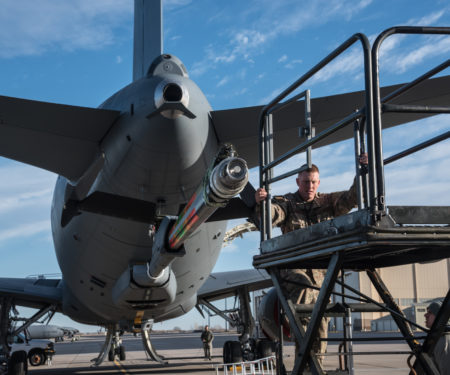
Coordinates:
[42,25]
[25,230]
[223,81]
[282,58]
[428,19]
[264,21]
[171,4]
[432,48]
[396,55]
[229,248]
[273,93]
[347,63]
[26,199]
[293,63]
[401,52]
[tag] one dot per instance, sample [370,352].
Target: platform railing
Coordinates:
[262,366]
[381,104]
[267,162]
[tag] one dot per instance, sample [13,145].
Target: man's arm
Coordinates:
[279,207]
[344,201]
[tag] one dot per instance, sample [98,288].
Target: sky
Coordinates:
[240,53]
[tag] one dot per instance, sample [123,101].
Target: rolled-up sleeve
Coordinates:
[279,211]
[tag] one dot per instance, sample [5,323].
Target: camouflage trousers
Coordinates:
[304,295]
[207,348]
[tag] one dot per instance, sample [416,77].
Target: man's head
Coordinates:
[431,313]
[206,328]
[308,182]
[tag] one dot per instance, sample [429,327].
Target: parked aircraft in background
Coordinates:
[49,331]
[44,331]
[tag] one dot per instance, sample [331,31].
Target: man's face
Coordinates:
[308,183]
[429,318]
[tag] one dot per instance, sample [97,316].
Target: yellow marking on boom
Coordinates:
[138,321]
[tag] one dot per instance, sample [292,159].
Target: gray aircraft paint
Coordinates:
[149,159]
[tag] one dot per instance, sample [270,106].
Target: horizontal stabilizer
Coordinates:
[220,285]
[35,293]
[59,138]
[110,205]
[240,126]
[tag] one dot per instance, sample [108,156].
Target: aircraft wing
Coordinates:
[59,138]
[240,126]
[35,293]
[220,285]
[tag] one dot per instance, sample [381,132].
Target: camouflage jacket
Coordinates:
[291,212]
[207,336]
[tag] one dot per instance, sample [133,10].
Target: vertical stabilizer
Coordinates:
[148,38]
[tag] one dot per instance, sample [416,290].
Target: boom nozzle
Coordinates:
[227,179]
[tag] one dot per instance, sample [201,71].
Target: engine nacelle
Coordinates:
[269,317]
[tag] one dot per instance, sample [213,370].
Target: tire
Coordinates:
[227,352]
[18,364]
[264,349]
[122,355]
[232,352]
[111,355]
[36,357]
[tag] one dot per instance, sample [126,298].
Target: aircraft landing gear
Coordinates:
[116,349]
[247,348]
[151,352]
[110,331]
[112,346]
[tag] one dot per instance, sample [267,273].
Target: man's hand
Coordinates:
[260,195]
[364,159]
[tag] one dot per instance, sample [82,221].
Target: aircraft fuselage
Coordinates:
[157,158]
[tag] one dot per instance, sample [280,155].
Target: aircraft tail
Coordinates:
[148,38]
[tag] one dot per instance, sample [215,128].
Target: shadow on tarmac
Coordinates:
[176,365]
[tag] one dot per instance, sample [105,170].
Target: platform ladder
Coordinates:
[372,237]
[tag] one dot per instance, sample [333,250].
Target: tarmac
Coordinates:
[184,355]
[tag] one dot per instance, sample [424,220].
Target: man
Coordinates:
[301,209]
[207,338]
[441,352]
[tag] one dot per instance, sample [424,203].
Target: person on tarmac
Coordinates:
[207,339]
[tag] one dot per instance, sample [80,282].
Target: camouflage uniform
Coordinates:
[291,212]
[207,339]
[441,354]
